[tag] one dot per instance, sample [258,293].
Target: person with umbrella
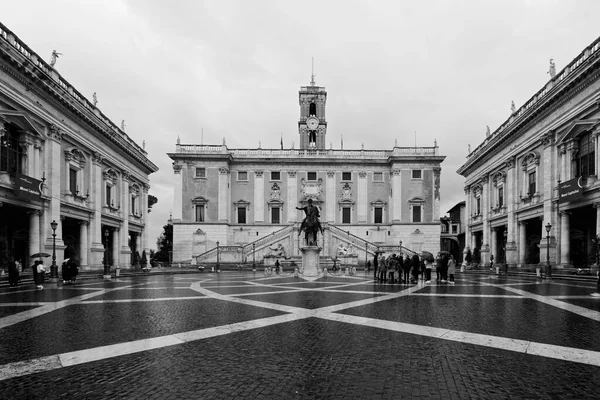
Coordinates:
[66,271]
[38,269]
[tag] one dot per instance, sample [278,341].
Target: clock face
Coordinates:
[312,123]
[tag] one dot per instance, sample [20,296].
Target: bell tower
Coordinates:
[312,125]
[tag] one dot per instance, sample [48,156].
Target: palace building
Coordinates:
[532,188]
[63,160]
[245,199]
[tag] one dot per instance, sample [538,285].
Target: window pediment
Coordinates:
[416,200]
[531,158]
[242,203]
[576,129]
[199,200]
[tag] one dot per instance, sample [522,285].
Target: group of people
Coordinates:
[69,270]
[399,269]
[39,270]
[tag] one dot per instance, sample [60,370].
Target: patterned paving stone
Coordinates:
[143,293]
[523,319]
[247,289]
[311,299]
[326,360]
[10,310]
[91,325]
[46,294]
[556,290]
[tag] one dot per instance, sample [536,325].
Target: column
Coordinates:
[95,229]
[436,193]
[549,180]
[512,199]
[259,196]
[522,242]
[224,194]
[125,210]
[467,227]
[83,243]
[34,232]
[178,194]
[292,196]
[115,247]
[36,161]
[485,207]
[54,183]
[494,244]
[330,201]
[143,236]
[361,197]
[565,241]
[396,196]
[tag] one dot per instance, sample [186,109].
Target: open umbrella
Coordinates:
[39,255]
[427,255]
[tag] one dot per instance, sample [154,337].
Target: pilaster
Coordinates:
[178,193]
[362,192]
[259,196]
[396,196]
[292,196]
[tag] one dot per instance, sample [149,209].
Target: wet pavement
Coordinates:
[246,335]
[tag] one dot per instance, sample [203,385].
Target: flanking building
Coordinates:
[532,188]
[63,160]
[246,199]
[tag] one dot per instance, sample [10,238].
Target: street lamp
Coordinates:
[253,259]
[106,266]
[217,266]
[548,267]
[54,267]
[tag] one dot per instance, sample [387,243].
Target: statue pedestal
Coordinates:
[310,260]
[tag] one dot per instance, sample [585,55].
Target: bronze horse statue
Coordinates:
[311,224]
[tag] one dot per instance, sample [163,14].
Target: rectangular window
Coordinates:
[454,229]
[378,176]
[311,176]
[275,175]
[108,195]
[133,204]
[346,176]
[73,180]
[242,175]
[586,156]
[500,197]
[346,215]
[199,212]
[478,205]
[531,186]
[241,213]
[275,212]
[200,172]
[416,213]
[416,174]
[378,218]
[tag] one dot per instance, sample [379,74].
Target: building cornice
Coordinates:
[574,78]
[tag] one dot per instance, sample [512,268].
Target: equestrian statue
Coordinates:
[311,224]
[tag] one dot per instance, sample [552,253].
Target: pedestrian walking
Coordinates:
[438,268]
[444,273]
[491,262]
[451,269]
[375,266]
[38,274]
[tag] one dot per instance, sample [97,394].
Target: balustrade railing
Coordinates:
[543,94]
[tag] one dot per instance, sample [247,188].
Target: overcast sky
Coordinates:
[442,69]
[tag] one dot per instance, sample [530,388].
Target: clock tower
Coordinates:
[312,125]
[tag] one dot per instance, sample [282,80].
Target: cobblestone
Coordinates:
[244,350]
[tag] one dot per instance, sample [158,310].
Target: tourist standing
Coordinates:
[428,266]
[13,273]
[491,262]
[451,269]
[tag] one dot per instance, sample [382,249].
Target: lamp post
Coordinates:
[106,266]
[253,259]
[505,258]
[548,267]
[54,267]
[217,267]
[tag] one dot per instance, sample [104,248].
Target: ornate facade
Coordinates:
[517,179]
[63,160]
[247,198]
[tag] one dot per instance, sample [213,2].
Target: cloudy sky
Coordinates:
[442,69]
